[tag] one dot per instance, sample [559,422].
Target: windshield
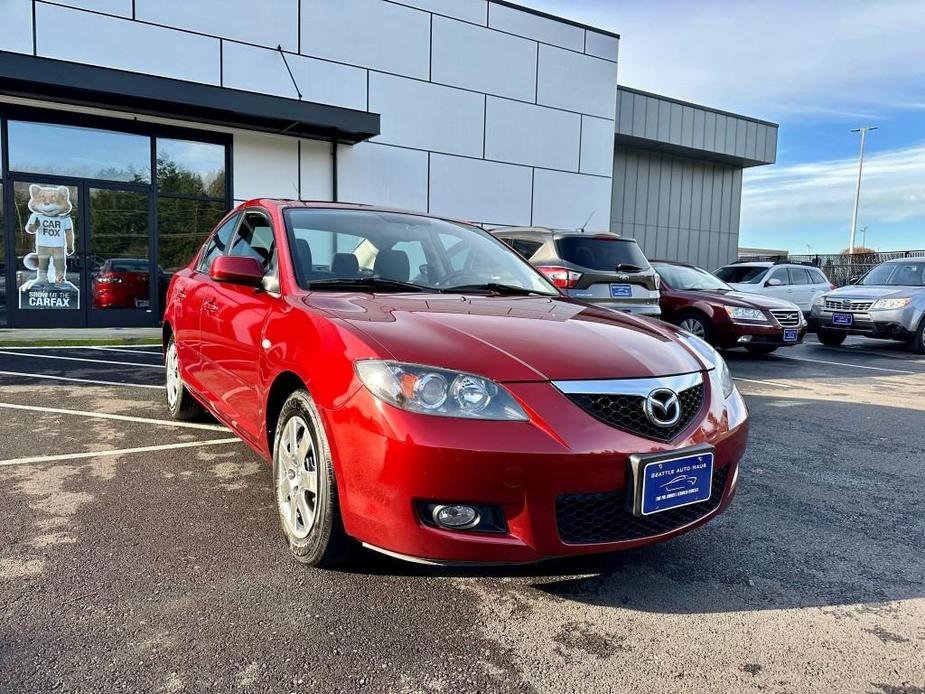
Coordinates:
[741,274]
[391,249]
[690,278]
[602,253]
[904,274]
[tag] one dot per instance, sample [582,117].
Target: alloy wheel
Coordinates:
[174,384]
[694,326]
[297,478]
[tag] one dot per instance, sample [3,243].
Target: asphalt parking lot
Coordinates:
[138,554]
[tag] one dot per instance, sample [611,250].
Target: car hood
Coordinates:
[512,338]
[737,298]
[855,291]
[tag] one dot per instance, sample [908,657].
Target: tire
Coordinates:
[305,488]
[761,349]
[918,341]
[696,324]
[180,404]
[830,338]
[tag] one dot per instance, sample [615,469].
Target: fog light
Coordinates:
[455,516]
[745,338]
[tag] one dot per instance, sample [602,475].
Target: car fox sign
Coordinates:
[51,225]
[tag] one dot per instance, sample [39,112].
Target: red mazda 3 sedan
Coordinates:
[423,391]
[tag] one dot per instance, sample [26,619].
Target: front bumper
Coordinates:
[740,334]
[388,460]
[897,324]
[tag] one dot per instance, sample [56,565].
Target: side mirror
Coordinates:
[237,270]
[854,280]
[773,282]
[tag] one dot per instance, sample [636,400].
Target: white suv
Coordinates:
[800,283]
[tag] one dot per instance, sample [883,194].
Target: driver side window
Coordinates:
[217,244]
[255,240]
[779,274]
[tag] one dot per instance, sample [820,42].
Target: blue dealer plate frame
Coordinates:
[842,319]
[621,291]
[791,335]
[667,483]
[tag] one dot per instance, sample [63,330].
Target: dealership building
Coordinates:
[129,127]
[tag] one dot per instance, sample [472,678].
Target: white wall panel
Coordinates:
[534,135]
[597,137]
[371,33]
[602,45]
[565,200]
[475,11]
[265,166]
[382,175]
[533,26]
[263,70]
[317,168]
[480,191]
[502,64]
[123,8]
[16,23]
[427,116]
[270,23]
[577,82]
[95,39]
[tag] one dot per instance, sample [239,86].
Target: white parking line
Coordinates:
[842,363]
[79,380]
[119,417]
[133,347]
[764,383]
[93,361]
[118,451]
[154,353]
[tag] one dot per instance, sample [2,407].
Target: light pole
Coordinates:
[857,190]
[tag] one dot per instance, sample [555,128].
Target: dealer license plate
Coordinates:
[791,335]
[676,482]
[620,290]
[842,319]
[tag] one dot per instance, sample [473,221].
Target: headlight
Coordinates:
[819,300]
[885,304]
[440,392]
[740,313]
[721,376]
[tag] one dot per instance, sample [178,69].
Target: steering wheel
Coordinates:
[461,278]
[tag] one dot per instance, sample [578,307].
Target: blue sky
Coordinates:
[818,68]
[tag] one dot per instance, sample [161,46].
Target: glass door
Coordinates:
[49,264]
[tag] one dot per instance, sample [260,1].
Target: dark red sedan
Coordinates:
[709,308]
[423,391]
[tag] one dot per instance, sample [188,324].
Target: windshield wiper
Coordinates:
[493,288]
[376,283]
[627,267]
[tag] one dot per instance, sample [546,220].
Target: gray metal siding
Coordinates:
[677,208]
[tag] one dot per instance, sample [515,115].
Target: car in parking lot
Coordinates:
[799,283]
[443,419]
[608,270]
[709,308]
[887,303]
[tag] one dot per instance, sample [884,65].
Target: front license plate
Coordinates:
[842,319]
[791,335]
[620,290]
[676,482]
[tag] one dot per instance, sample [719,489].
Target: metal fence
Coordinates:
[840,267]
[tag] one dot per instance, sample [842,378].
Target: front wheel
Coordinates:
[180,404]
[698,325]
[830,338]
[761,349]
[305,488]
[918,340]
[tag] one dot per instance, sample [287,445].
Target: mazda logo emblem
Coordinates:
[663,407]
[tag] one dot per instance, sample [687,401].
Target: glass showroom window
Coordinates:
[191,197]
[4,317]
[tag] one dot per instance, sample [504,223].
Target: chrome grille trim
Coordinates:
[640,387]
[851,305]
[786,317]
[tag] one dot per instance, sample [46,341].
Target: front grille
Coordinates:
[848,305]
[627,412]
[787,318]
[602,517]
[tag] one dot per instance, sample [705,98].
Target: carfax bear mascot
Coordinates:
[53,229]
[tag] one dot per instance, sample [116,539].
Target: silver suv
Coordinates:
[603,269]
[888,302]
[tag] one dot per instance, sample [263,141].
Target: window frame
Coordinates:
[273,269]
[201,255]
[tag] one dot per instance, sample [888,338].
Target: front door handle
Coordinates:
[210,306]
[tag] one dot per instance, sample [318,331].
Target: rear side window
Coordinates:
[525,247]
[799,276]
[217,244]
[818,277]
[596,253]
[741,274]
[255,240]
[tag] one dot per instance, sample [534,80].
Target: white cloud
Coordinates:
[819,195]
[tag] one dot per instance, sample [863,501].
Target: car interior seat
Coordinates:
[392,265]
[345,265]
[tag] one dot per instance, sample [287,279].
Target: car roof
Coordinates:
[673,262]
[286,203]
[559,233]
[754,263]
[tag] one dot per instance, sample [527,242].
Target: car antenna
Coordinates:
[582,227]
